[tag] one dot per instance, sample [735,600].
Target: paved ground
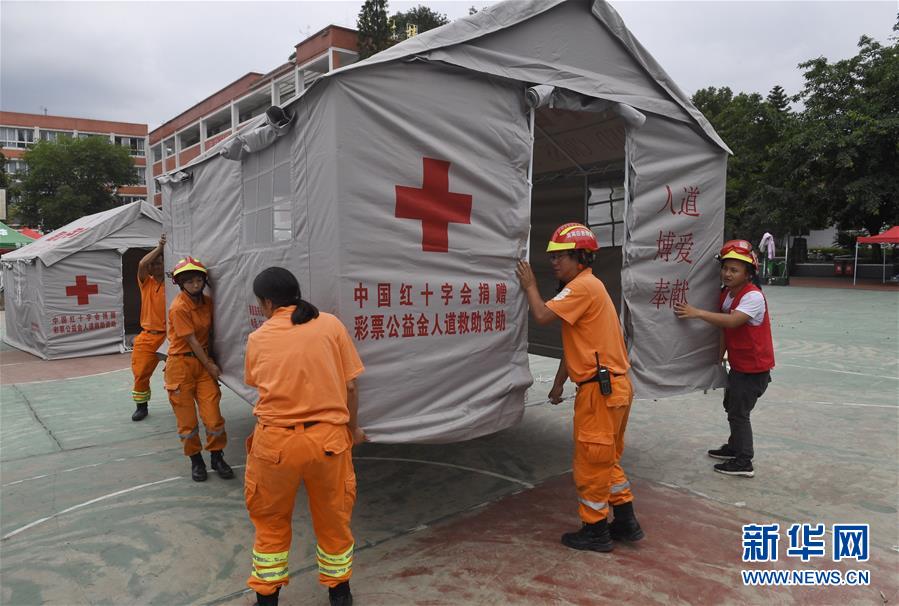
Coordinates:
[96,509]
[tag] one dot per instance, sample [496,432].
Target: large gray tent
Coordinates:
[74,292]
[404,187]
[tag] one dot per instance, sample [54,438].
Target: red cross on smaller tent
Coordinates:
[434,205]
[81,290]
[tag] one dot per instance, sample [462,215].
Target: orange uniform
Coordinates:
[590,327]
[189,384]
[152,321]
[301,436]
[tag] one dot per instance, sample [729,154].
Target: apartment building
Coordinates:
[201,126]
[20,131]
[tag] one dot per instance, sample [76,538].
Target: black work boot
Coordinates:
[340,595]
[268,600]
[625,526]
[197,468]
[217,462]
[591,537]
[141,413]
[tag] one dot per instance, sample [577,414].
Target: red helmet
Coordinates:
[741,250]
[188,264]
[573,236]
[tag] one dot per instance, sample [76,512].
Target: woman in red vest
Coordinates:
[746,337]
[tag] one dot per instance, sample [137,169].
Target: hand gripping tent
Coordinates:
[401,190]
[74,292]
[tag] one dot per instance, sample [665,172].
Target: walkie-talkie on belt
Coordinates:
[604,377]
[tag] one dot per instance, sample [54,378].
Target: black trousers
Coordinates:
[743,391]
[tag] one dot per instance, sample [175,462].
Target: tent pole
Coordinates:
[787,256]
[883,259]
[855,264]
[527,249]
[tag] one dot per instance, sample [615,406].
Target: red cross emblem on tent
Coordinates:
[82,290]
[434,205]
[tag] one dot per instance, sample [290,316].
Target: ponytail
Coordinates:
[304,312]
[279,286]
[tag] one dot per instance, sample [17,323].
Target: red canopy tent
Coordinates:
[890,236]
[31,233]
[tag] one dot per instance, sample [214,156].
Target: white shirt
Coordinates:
[752,304]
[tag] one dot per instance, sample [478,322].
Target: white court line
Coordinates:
[843,372]
[451,465]
[85,504]
[108,372]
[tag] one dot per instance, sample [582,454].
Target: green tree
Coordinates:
[4,177]
[70,178]
[374,28]
[845,155]
[422,17]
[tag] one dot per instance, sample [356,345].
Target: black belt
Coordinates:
[187,353]
[595,378]
[305,425]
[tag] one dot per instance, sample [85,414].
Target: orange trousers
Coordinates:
[191,387]
[599,424]
[279,459]
[143,363]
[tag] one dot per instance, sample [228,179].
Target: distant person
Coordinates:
[304,365]
[150,277]
[191,375]
[594,357]
[746,338]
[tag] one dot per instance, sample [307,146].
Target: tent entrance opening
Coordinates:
[131,292]
[578,175]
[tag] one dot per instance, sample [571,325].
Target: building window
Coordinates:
[135,145]
[169,147]
[267,198]
[125,199]
[156,150]
[16,167]
[287,88]
[16,138]
[141,175]
[190,137]
[54,135]
[218,123]
[605,211]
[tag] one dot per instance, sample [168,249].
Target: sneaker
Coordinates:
[733,467]
[725,453]
[591,537]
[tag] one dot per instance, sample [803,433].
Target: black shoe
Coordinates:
[217,462]
[625,526]
[734,467]
[268,600]
[591,537]
[724,453]
[197,468]
[141,413]
[340,595]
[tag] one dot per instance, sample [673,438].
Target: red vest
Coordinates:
[749,348]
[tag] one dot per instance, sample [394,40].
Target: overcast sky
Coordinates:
[149,61]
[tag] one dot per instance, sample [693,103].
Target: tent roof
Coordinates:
[10,238]
[450,43]
[83,233]
[890,236]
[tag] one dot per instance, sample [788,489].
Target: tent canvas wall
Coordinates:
[66,293]
[400,196]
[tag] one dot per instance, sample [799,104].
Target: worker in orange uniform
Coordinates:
[191,375]
[150,276]
[304,365]
[593,356]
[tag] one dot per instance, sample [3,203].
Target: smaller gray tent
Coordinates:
[73,292]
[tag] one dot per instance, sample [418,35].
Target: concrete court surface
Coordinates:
[96,509]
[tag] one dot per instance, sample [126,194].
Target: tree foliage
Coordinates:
[373,27]
[422,17]
[71,178]
[4,177]
[833,161]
